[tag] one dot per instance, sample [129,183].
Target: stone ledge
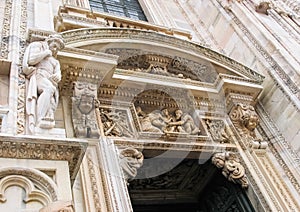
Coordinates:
[30,147]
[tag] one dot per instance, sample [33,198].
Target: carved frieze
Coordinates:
[130,160]
[231,167]
[217,130]
[83,110]
[245,119]
[153,63]
[115,122]
[162,121]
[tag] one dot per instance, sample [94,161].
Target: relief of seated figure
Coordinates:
[183,123]
[163,122]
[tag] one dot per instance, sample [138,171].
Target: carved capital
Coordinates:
[83,110]
[130,160]
[231,167]
[245,119]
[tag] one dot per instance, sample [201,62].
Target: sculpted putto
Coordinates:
[43,71]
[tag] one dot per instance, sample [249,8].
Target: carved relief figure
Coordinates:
[217,130]
[130,160]
[58,206]
[146,122]
[115,123]
[183,123]
[43,70]
[231,167]
[245,119]
[83,110]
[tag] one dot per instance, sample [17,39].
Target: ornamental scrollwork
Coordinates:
[130,160]
[217,130]
[231,167]
[245,119]
[83,110]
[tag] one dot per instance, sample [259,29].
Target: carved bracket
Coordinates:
[231,167]
[83,110]
[245,119]
[130,160]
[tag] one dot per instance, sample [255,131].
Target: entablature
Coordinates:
[70,17]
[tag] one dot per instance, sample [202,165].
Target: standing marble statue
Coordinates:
[43,71]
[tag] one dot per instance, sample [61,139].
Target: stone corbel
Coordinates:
[83,110]
[130,160]
[245,120]
[231,167]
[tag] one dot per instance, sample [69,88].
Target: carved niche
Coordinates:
[130,160]
[245,119]
[83,110]
[231,167]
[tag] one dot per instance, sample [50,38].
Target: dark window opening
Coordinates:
[125,8]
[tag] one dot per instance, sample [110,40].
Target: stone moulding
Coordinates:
[81,35]
[28,178]
[29,147]
[175,146]
[75,17]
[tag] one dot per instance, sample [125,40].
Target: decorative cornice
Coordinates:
[29,147]
[76,36]
[181,145]
[69,18]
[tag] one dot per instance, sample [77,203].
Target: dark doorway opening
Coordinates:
[188,187]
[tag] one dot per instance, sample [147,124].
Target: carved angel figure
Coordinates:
[43,69]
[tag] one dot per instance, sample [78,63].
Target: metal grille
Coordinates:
[126,8]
